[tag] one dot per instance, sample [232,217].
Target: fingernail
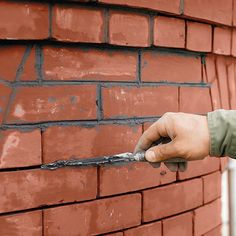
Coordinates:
[150,156]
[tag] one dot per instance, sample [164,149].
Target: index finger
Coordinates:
[151,135]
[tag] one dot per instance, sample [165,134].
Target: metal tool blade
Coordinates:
[105,160]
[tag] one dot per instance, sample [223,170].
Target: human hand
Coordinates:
[189,136]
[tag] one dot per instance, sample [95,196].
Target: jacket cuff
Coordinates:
[222,129]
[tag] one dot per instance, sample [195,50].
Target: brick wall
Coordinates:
[85,79]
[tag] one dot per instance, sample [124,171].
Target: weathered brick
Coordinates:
[46,103]
[160,5]
[90,64]
[219,11]
[145,230]
[26,224]
[77,24]
[115,234]
[71,142]
[5,93]
[115,180]
[215,95]
[222,41]
[120,101]
[210,68]
[223,81]
[20,148]
[214,232]
[233,49]
[178,225]
[124,29]
[161,202]
[169,32]
[200,101]
[13,54]
[94,217]
[199,37]
[207,217]
[23,20]
[200,167]
[211,186]
[34,188]
[29,72]
[232,85]
[157,66]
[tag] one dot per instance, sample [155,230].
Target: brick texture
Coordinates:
[159,203]
[27,224]
[199,37]
[77,24]
[210,10]
[169,32]
[53,103]
[4,99]
[161,5]
[35,188]
[178,225]
[207,217]
[124,29]
[30,20]
[18,149]
[119,101]
[95,217]
[84,142]
[222,41]
[80,64]
[157,66]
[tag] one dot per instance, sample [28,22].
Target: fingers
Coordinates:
[162,152]
[151,135]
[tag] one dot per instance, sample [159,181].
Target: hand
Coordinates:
[189,136]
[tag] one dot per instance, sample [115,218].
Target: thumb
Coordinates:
[162,152]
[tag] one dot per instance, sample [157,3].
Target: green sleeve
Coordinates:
[222,127]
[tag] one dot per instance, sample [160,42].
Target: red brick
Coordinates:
[5,93]
[160,5]
[207,217]
[157,66]
[115,180]
[13,54]
[215,95]
[210,68]
[115,234]
[222,41]
[48,103]
[224,163]
[29,68]
[214,232]
[178,225]
[233,49]
[169,32]
[124,29]
[200,167]
[210,10]
[26,224]
[34,188]
[199,37]
[94,217]
[223,83]
[212,186]
[21,20]
[200,101]
[20,148]
[232,85]
[77,24]
[120,101]
[161,202]
[79,64]
[234,12]
[145,230]
[71,142]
